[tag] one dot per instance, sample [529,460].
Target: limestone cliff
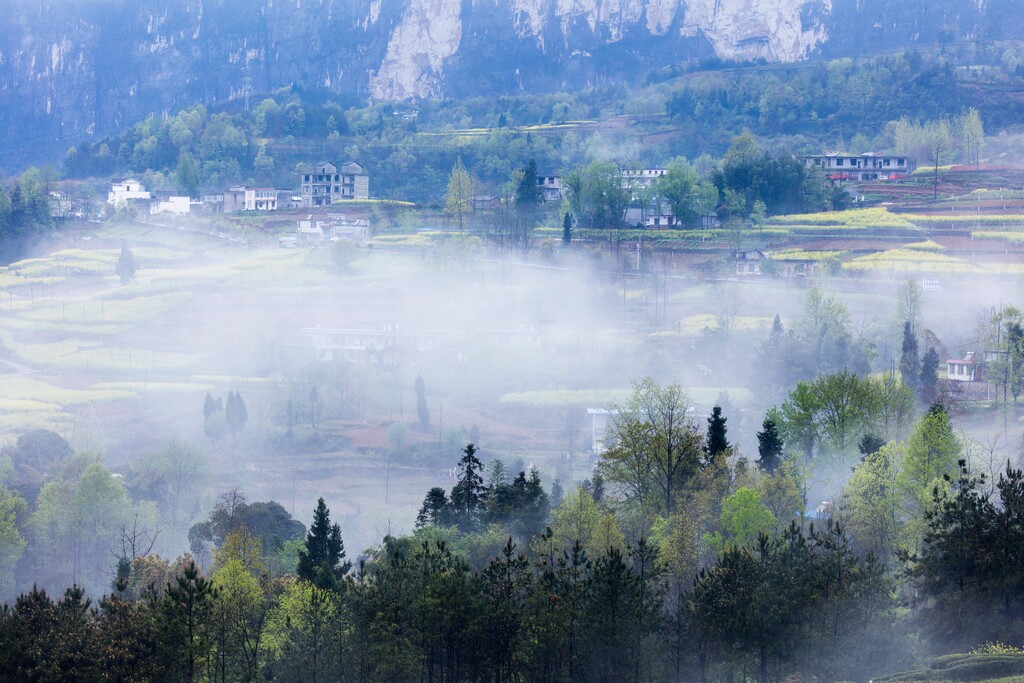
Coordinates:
[72,68]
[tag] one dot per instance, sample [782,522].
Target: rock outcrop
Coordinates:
[75,68]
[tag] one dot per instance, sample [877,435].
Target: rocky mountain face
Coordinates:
[73,68]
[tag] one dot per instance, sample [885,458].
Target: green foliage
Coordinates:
[778,591]
[520,505]
[25,210]
[751,178]
[78,516]
[578,520]
[173,479]
[969,562]
[656,448]
[185,625]
[933,451]
[186,175]
[458,199]
[783,492]
[769,446]
[268,521]
[929,380]
[469,493]
[963,667]
[598,195]
[744,518]
[909,361]
[716,440]
[820,342]
[298,633]
[997,648]
[688,196]
[321,562]
[874,508]
[833,412]
[13,510]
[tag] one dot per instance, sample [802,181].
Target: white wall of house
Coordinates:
[123,191]
[173,205]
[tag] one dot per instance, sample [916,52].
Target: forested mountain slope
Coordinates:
[71,69]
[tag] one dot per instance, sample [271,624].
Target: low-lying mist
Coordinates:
[327,357]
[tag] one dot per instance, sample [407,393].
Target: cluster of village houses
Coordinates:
[321,187]
[327,183]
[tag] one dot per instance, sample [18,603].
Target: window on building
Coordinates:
[839,162]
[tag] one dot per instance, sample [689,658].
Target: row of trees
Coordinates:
[24,210]
[942,140]
[520,505]
[593,596]
[749,182]
[220,416]
[833,413]
[857,102]
[170,622]
[854,103]
[821,341]
[417,609]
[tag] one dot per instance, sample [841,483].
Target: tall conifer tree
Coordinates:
[321,561]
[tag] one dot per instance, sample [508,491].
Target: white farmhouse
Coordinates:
[122,191]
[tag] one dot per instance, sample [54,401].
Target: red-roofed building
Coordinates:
[964,370]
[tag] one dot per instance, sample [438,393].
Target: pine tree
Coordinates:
[769,446]
[235,414]
[421,402]
[434,509]
[567,228]
[126,265]
[716,441]
[467,499]
[528,192]
[909,361]
[321,561]
[185,609]
[209,406]
[870,444]
[929,375]
[186,175]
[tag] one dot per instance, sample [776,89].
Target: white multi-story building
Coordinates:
[550,187]
[329,183]
[241,198]
[639,179]
[121,191]
[172,204]
[860,167]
